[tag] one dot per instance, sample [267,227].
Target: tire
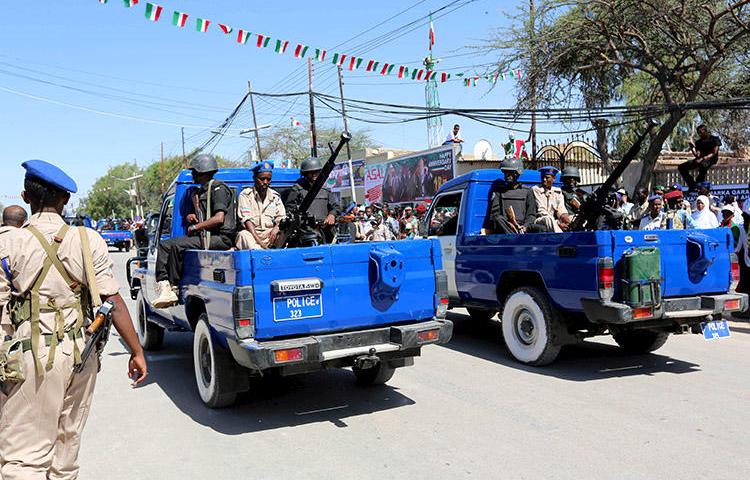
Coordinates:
[216,374]
[150,335]
[374,376]
[481,315]
[641,341]
[531,327]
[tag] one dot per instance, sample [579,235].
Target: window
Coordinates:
[444,215]
[167,212]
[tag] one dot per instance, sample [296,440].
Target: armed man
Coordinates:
[212,226]
[551,214]
[52,276]
[570,179]
[513,206]
[324,207]
[260,211]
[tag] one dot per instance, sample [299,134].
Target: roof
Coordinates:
[285,176]
[529,177]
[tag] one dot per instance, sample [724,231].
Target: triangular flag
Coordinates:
[320,55]
[338,59]
[281,46]
[225,28]
[300,51]
[201,24]
[179,19]
[242,36]
[262,40]
[372,65]
[153,12]
[130,3]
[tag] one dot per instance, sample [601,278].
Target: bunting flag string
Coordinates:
[179,19]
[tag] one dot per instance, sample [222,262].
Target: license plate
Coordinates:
[714,330]
[298,307]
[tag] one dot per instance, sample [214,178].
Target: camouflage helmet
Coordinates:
[570,172]
[311,164]
[204,163]
[513,164]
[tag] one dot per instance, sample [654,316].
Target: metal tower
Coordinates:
[432,99]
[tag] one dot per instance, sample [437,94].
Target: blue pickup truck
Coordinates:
[368,306]
[116,234]
[553,289]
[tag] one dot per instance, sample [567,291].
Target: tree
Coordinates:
[293,143]
[683,50]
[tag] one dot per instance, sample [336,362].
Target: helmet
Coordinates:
[571,172]
[513,164]
[204,163]
[311,164]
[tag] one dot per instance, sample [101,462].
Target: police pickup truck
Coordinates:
[116,234]
[368,306]
[552,289]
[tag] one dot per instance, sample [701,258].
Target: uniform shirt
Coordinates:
[549,203]
[517,196]
[323,205]
[25,257]
[649,223]
[264,214]
[221,201]
[569,196]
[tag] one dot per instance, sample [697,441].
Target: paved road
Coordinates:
[465,410]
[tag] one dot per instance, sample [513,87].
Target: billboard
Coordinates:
[409,179]
[338,181]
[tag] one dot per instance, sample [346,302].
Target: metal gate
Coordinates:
[576,152]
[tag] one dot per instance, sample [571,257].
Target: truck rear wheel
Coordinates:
[641,341]
[216,372]
[530,326]
[376,375]
[481,315]
[150,335]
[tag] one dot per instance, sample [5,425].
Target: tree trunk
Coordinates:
[654,149]
[601,127]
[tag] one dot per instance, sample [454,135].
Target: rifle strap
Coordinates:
[208,212]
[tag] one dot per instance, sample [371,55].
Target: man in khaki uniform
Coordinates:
[551,213]
[52,275]
[260,211]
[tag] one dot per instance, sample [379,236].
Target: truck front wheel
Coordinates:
[216,373]
[530,326]
[150,335]
[641,341]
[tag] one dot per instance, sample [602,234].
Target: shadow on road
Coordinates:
[579,363]
[276,402]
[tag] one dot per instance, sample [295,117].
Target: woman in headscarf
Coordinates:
[703,216]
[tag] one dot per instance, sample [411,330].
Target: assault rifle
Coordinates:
[99,333]
[299,228]
[595,208]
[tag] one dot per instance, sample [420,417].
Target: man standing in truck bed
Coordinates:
[324,207]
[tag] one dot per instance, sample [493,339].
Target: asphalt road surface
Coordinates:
[464,410]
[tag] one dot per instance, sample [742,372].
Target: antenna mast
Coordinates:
[432,99]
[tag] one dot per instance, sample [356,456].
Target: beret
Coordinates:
[548,171]
[50,174]
[673,194]
[262,167]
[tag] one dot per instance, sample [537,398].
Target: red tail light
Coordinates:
[643,312]
[606,274]
[288,355]
[428,335]
[735,271]
[732,305]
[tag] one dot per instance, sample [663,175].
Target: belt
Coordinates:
[26,344]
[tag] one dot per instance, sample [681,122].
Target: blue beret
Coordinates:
[677,186]
[548,171]
[48,173]
[263,167]
[654,197]
[350,208]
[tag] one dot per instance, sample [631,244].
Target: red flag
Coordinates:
[432,34]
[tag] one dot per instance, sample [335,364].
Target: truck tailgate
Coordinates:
[342,287]
[693,262]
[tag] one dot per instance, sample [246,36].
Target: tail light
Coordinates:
[643,312]
[287,355]
[732,305]
[735,278]
[427,336]
[606,276]
[243,309]
[441,294]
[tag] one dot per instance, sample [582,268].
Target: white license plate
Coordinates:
[297,307]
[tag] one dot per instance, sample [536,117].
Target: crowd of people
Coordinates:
[376,222]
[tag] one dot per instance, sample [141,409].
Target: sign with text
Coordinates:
[339,179]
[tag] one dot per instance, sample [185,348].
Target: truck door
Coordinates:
[163,232]
[443,224]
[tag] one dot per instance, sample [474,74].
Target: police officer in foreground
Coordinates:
[260,211]
[211,226]
[324,207]
[512,205]
[551,214]
[52,276]
[570,179]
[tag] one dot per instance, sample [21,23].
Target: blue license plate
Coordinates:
[714,330]
[297,307]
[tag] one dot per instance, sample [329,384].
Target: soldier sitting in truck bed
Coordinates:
[513,206]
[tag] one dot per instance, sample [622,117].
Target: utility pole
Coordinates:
[162,168]
[532,20]
[313,139]
[255,122]
[346,128]
[184,158]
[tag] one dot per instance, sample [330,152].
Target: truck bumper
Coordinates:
[392,342]
[604,312]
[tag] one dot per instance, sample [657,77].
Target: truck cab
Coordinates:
[370,307]
[552,289]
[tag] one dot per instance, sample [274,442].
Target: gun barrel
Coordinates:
[324,173]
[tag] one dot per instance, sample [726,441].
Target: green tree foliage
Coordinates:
[679,51]
[108,196]
[293,143]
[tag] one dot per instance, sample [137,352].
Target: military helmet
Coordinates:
[311,164]
[570,172]
[513,164]
[204,163]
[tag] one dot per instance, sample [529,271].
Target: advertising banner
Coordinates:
[409,179]
[339,179]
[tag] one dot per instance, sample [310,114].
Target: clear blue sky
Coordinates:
[129,66]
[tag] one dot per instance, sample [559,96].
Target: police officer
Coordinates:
[217,231]
[551,214]
[324,207]
[512,205]
[260,210]
[570,179]
[52,275]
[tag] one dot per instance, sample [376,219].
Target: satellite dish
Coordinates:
[482,150]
